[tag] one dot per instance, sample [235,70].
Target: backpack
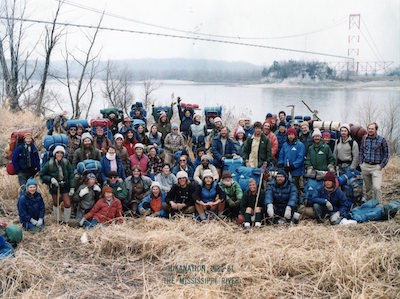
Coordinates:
[88,166]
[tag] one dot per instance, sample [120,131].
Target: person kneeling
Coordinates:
[209,196]
[281,198]
[251,204]
[330,200]
[152,204]
[106,210]
[86,196]
[180,197]
[233,194]
[31,207]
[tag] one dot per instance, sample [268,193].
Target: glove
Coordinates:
[84,191]
[39,222]
[144,212]
[331,168]
[71,191]
[309,170]
[96,188]
[82,221]
[54,182]
[335,217]
[179,99]
[288,213]
[329,205]
[33,221]
[270,210]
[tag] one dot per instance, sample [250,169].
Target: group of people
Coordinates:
[149,171]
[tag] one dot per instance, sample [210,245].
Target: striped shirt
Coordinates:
[374,151]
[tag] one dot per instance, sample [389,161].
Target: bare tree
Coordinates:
[16,74]
[117,89]
[390,125]
[51,39]
[368,112]
[149,87]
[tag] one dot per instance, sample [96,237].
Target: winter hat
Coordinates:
[205,157]
[329,176]
[30,181]
[139,145]
[127,119]
[218,119]
[182,174]
[73,126]
[305,123]
[282,124]
[118,135]
[226,174]
[240,130]
[155,184]
[59,148]
[316,132]
[326,135]
[269,115]
[345,126]
[87,135]
[291,131]
[207,173]
[92,176]
[107,189]
[112,174]
[281,172]
[28,134]
[162,113]
[174,126]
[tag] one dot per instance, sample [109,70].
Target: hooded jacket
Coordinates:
[281,196]
[319,157]
[30,206]
[20,158]
[337,198]
[294,154]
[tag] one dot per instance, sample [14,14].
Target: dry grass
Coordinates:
[132,260]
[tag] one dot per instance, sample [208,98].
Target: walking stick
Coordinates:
[58,205]
[288,164]
[253,217]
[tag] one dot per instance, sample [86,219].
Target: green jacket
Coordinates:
[169,114]
[233,193]
[119,190]
[249,201]
[319,157]
[50,170]
[264,150]
[79,155]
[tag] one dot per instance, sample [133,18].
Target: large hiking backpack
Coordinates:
[50,122]
[137,122]
[104,123]
[232,165]
[83,122]
[310,189]
[160,109]
[88,166]
[352,185]
[119,114]
[15,139]
[212,112]
[50,142]
[139,105]
[244,174]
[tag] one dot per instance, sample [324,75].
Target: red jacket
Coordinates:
[102,212]
[130,147]
[142,163]
[274,143]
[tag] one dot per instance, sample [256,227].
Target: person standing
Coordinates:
[374,156]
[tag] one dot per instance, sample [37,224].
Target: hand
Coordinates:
[120,180]
[82,221]
[179,100]
[335,217]
[54,182]
[33,221]
[247,164]
[329,205]
[288,213]
[270,210]
[84,191]
[174,206]
[309,170]
[156,214]
[39,222]
[331,168]
[235,156]
[144,212]
[96,188]
[71,191]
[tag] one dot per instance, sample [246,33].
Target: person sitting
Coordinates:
[139,158]
[118,185]
[86,196]
[130,141]
[180,199]
[74,141]
[197,132]
[138,187]
[86,151]
[257,148]
[183,166]
[25,159]
[31,207]
[155,139]
[233,193]
[205,165]
[281,198]
[209,197]
[252,204]
[111,162]
[346,151]
[222,147]
[58,174]
[329,199]
[101,141]
[152,204]
[106,210]
[173,142]
[122,153]
[319,155]
[155,163]
[186,118]
[166,178]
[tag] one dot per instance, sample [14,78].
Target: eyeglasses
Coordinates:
[113,177]
[72,129]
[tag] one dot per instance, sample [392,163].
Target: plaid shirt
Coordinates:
[374,151]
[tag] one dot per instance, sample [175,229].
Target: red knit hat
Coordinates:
[291,131]
[330,176]
[326,135]
[107,189]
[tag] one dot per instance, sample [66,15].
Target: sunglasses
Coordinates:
[72,129]
[113,177]
[183,160]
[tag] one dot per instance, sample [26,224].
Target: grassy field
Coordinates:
[183,259]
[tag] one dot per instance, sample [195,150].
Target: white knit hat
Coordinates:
[139,145]
[118,135]
[155,184]
[182,174]
[345,126]
[207,173]
[87,135]
[316,132]
[59,148]
[217,119]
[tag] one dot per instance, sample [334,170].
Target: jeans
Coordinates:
[90,224]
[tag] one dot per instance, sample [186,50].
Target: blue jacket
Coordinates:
[6,249]
[147,200]
[248,132]
[20,156]
[30,207]
[281,196]
[190,171]
[208,195]
[106,168]
[337,198]
[185,121]
[295,153]
[230,149]
[281,141]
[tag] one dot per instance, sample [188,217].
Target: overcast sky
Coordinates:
[263,19]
